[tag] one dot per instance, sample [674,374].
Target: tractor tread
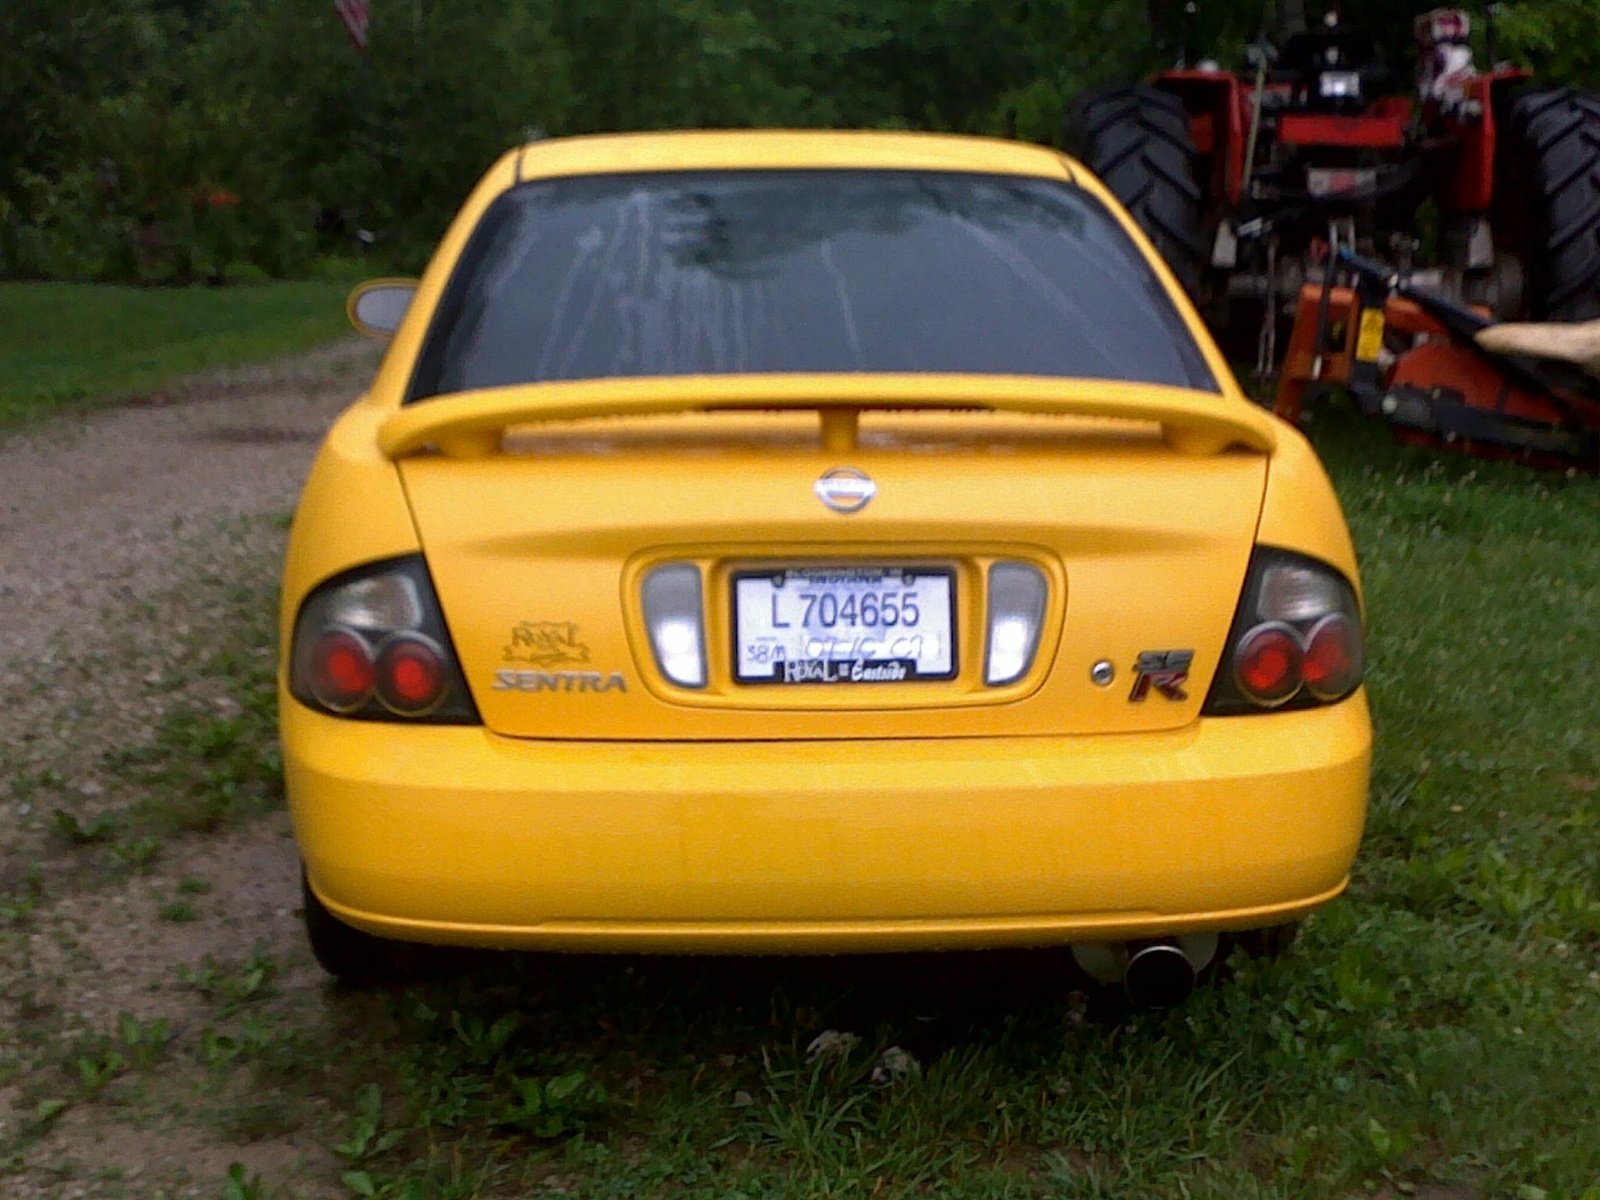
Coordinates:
[1136,139]
[1554,135]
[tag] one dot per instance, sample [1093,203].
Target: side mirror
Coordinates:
[378,306]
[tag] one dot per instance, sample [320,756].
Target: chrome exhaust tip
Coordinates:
[1159,975]
[1154,974]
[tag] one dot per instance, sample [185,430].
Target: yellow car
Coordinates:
[811,542]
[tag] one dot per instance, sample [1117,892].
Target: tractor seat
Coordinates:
[1578,344]
[1305,56]
[1331,50]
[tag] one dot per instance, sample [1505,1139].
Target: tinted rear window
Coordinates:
[802,271]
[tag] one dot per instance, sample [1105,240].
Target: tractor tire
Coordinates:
[1553,157]
[1136,139]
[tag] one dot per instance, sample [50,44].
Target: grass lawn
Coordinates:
[1434,1034]
[65,344]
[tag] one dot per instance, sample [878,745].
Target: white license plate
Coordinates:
[844,625]
[1322,181]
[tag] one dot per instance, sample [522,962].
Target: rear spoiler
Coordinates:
[471,424]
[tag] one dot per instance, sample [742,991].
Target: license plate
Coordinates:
[844,625]
[1321,181]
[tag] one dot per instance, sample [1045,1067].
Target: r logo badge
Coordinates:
[1165,670]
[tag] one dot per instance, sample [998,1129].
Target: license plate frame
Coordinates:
[934,589]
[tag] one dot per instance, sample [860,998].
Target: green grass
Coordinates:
[68,344]
[1434,1033]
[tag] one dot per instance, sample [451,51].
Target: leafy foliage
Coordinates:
[1555,37]
[178,140]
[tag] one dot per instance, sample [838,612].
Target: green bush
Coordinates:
[122,122]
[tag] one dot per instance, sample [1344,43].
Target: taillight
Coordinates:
[342,673]
[1333,661]
[1268,664]
[371,643]
[411,675]
[1296,638]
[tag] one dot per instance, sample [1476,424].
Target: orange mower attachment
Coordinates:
[1444,374]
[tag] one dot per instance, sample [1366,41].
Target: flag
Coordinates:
[355,15]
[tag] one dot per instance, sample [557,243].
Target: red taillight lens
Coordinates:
[411,675]
[1268,664]
[342,671]
[371,644]
[1332,665]
[1295,641]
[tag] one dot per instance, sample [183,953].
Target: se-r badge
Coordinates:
[1164,670]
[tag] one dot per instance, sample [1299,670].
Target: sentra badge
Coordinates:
[1164,670]
[559,681]
[845,489]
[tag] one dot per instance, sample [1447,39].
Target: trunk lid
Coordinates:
[540,548]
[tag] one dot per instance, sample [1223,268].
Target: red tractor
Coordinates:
[1475,189]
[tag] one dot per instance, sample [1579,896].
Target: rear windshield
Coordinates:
[733,272]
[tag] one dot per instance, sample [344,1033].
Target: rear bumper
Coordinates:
[458,836]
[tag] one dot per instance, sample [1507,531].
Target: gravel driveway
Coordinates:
[131,539]
[92,508]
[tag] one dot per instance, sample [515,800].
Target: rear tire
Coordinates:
[1136,139]
[346,953]
[1553,153]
